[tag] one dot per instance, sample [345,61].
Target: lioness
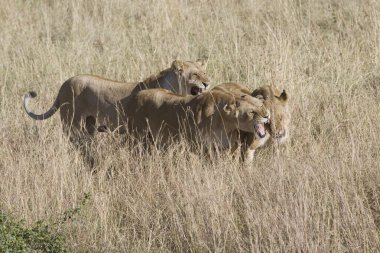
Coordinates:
[278,126]
[215,115]
[84,100]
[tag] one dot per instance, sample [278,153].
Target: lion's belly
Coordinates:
[219,138]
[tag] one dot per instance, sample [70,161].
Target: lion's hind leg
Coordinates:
[86,141]
[90,125]
[80,131]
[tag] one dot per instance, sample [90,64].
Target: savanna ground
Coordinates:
[320,195]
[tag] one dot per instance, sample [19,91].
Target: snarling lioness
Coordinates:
[215,116]
[85,100]
[278,126]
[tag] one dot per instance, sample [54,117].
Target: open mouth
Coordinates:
[195,90]
[260,130]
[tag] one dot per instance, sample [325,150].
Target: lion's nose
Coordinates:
[205,84]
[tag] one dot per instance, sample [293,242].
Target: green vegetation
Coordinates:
[15,236]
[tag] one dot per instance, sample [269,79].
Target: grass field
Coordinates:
[320,195]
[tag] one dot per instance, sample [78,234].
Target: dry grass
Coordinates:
[321,195]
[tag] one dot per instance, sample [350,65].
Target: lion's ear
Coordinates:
[260,92]
[283,96]
[204,111]
[202,63]
[230,109]
[177,65]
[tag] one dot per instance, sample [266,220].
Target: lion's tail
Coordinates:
[43,116]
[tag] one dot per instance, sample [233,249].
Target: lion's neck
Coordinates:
[167,81]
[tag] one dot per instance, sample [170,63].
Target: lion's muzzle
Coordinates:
[260,130]
[195,90]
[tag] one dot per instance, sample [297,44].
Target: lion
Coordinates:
[215,116]
[84,100]
[278,126]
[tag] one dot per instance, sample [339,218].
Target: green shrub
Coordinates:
[40,237]
[15,236]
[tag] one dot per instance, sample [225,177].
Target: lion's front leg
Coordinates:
[250,143]
[247,150]
[249,155]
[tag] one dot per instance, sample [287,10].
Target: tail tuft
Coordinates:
[32,94]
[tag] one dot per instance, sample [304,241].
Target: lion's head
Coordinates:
[277,101]
[191,77]
[251,114]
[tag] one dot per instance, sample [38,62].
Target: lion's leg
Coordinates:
[90,125]
[86,138]
[236,145]
[249,155]
[70,125]
[83,142]
[247,149]
[253,143]
[80,132]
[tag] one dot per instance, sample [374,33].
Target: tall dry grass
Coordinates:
[320,195]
